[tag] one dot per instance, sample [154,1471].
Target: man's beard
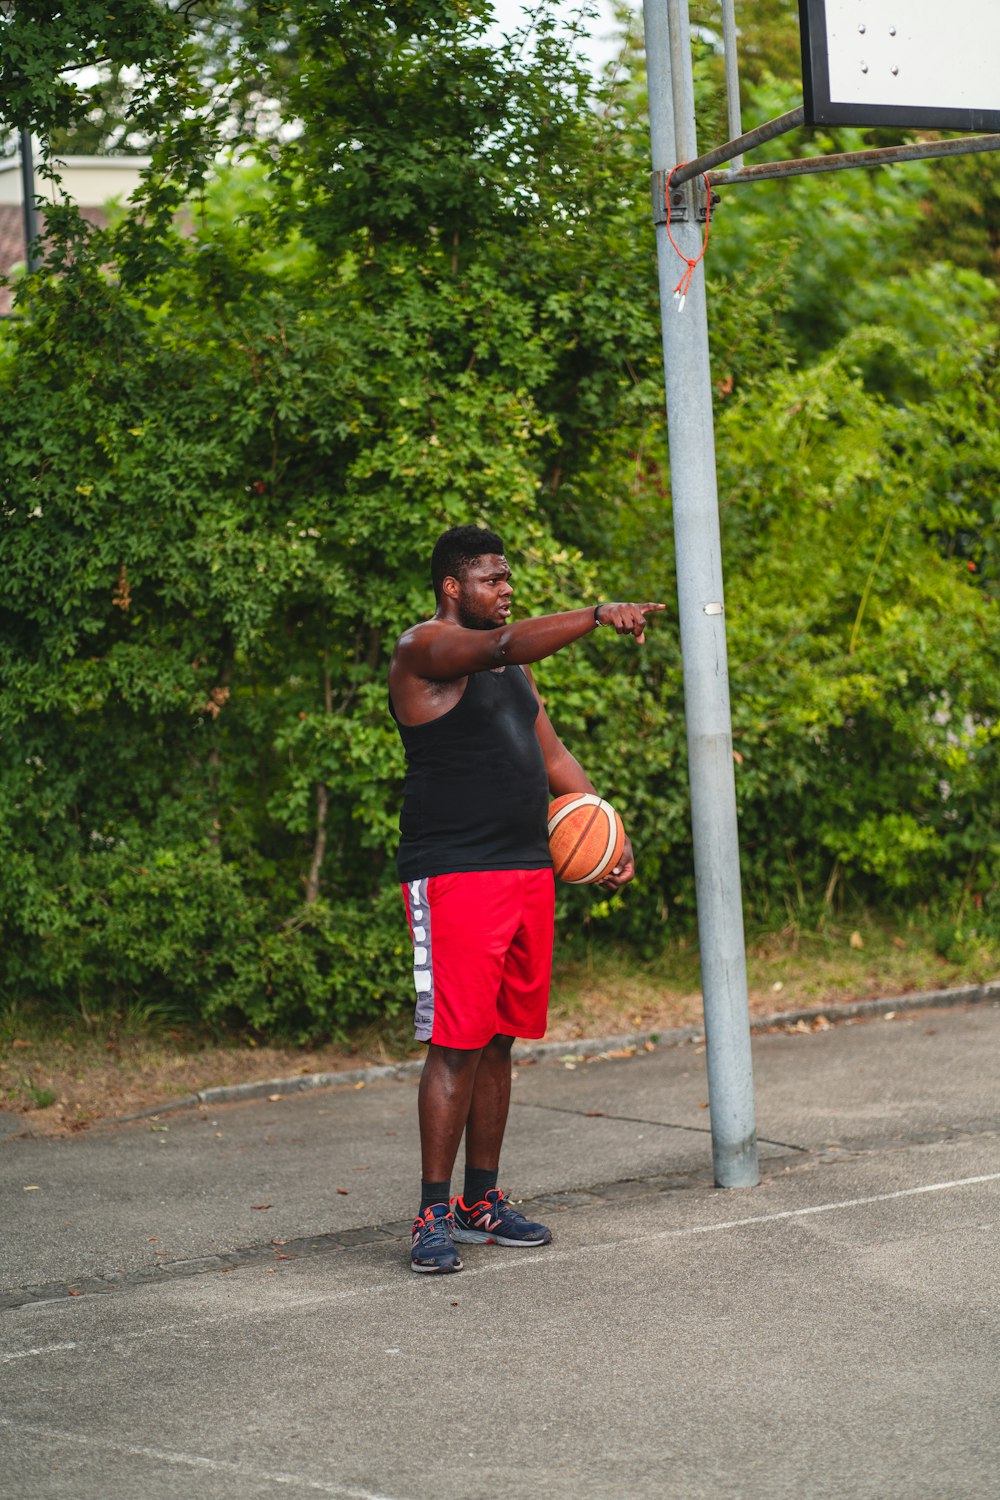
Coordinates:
[473,621]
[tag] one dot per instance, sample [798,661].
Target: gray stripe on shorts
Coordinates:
[423,969]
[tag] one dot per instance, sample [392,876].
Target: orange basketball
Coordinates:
[586,837]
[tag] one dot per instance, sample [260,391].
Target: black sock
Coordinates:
[434,1192]
[477,1184]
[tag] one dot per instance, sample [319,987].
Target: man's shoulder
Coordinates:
[416,636]
[423,628]
[413,680]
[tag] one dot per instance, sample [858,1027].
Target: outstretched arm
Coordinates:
[442,650]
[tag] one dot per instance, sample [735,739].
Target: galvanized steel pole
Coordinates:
[729,45]
[30,214]
[702,617]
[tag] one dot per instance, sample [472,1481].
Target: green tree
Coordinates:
[233,422]
[250,435]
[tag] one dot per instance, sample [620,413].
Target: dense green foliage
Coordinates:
[228,440]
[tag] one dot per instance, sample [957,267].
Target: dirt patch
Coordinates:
[85,1089]
[70,1086]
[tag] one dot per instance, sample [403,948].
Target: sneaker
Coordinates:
[492,1221]
[432,1247]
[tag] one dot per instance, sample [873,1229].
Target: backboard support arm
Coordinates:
[879,156]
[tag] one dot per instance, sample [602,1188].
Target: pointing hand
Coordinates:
[627,619]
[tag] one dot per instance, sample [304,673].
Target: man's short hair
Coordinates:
[457,548]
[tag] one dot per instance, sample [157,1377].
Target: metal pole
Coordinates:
[734,112]
[702,620]
[28,195]
[682,78]
[662,131]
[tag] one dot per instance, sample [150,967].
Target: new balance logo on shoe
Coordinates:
[493,1221]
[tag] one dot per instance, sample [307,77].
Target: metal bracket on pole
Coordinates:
[680,200]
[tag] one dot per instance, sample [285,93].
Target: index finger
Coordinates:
[647,607]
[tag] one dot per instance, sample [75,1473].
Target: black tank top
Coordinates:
[476,792]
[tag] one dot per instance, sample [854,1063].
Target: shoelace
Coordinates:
[504,1210]
[498,1211]
[437,1227]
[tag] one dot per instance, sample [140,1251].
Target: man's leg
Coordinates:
[482,1214]
[444,1101]
[470,1091]
[487,1117]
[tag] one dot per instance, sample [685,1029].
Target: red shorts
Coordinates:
[482,954]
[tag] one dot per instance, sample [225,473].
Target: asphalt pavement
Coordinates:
[216,1302]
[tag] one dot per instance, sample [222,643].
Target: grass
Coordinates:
[793,968]
[65,1073]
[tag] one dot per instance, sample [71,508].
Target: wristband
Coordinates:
[597,609]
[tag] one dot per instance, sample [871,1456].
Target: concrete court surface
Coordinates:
[830,1335]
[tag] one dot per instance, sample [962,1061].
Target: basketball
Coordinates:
[586,837]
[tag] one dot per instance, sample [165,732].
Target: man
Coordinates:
[482,762]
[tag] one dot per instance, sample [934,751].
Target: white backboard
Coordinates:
[928,63]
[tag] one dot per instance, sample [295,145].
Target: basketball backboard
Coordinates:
[934,64]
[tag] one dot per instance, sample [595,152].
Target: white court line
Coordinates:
[579,1251]
[819,1208]
[5,1359]
[339,1492]
[191,1460]
[546,1255]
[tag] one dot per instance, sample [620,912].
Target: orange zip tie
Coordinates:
[683,286]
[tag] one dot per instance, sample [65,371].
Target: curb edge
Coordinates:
[674,1036]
